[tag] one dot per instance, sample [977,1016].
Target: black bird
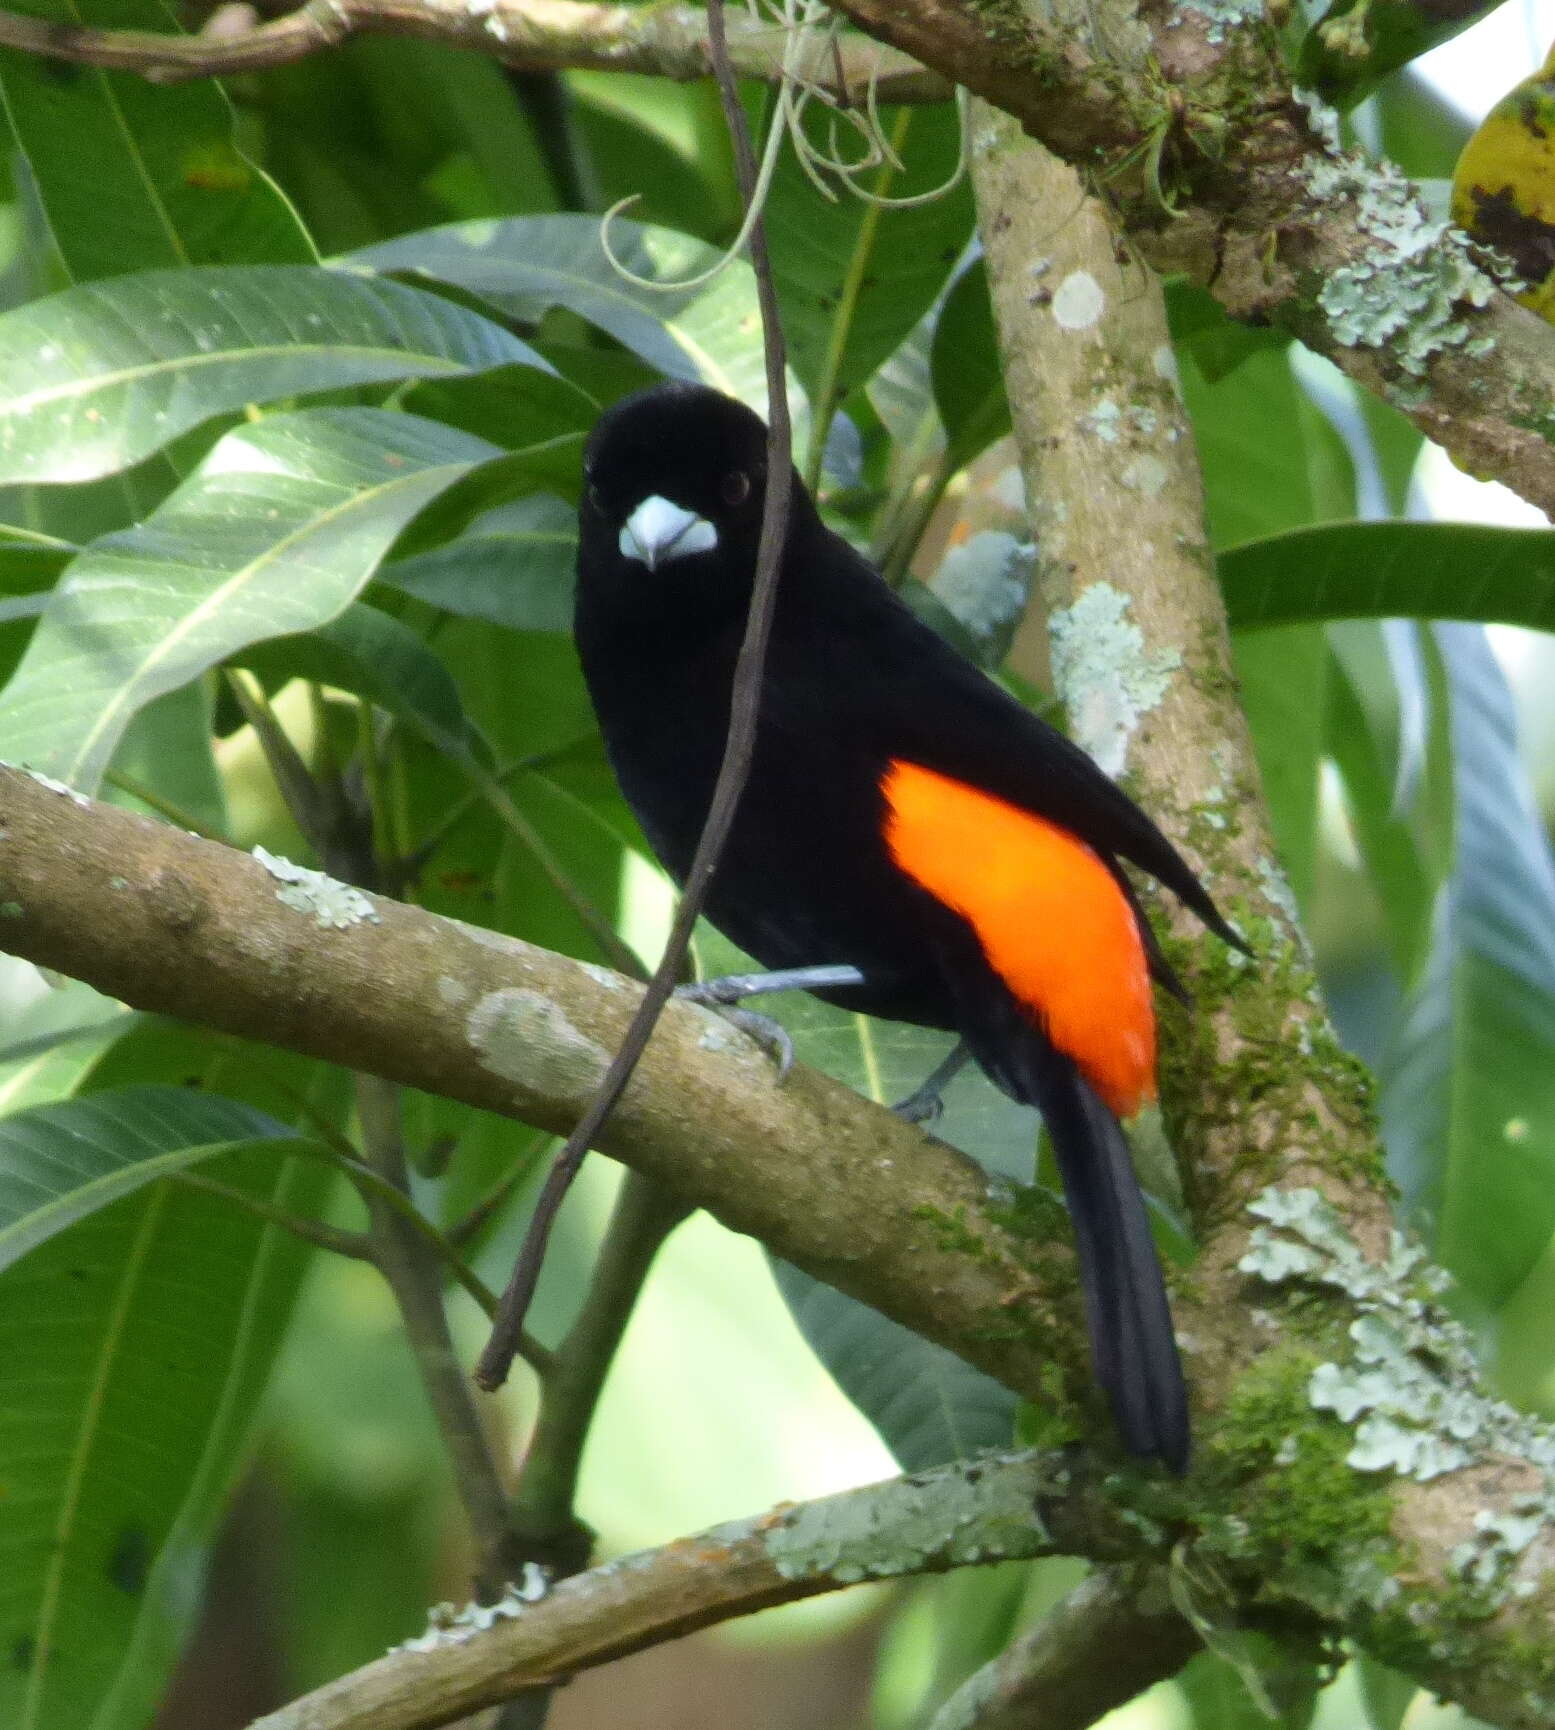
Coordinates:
[903,815]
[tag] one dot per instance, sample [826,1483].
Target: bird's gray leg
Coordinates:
[925,1103]
[725,993]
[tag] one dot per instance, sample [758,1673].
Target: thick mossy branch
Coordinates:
[1370,1521]
[1186,123]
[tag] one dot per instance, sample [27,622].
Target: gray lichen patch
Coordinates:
[73,794]
[524,1037]
[1108,680]
[333,905]
[1222,15]
[970,1512]
[1411,1389]
[1404,294]
[453,1625]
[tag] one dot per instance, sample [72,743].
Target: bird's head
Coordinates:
[674,480]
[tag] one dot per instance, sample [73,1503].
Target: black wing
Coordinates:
[914,696]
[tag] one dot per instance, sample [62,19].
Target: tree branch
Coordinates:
[954,1516]
[1115,1635]
[169,922]
[534,35]
[1190,128]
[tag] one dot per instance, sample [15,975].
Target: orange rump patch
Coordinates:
[1050,916]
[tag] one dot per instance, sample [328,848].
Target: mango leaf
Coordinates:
[514,566]
[102,375]
[1272,461]
[968,377]
[366,651]
[928,1405]
[61,1162]
[1469,1100]
[132,1350]
[854,277]
[167,185]
[1387,1694]
[526,265]
[277,532]
[1469,571]
[1395,862]
[54,1041]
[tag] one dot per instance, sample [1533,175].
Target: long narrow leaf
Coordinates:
[1470,1100]
[278,531]
[100,376]
[1468,571]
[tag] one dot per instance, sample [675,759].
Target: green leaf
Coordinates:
[133,174]
[1234,1685]
[100,376]
[526,265]
[1282,675]
[1469,1103]
[512,406]
[1387,1694]
[277,532]
[514,567]
[366,651]
[968,377]
[1385,835]
[1217,343]
[1272,460]
[853,277]
[1468,571]
[54,1041]
[928,1405]
[61,1162]
[133,1348]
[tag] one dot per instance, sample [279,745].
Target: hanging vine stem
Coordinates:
[809,28]
[497,1358]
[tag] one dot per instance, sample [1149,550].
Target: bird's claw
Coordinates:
[920,1106]
[771,1035]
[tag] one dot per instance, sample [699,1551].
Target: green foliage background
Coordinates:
[293,379]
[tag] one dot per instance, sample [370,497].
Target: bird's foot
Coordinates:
[725,994]
[925,1103]
[769,1033]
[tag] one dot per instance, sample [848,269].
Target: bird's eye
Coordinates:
[736,487]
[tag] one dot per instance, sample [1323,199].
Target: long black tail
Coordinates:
[1132,1343]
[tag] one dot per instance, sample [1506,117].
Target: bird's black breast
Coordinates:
[805,878]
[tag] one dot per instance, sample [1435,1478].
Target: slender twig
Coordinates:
[733,772]
[354,1244]
[645,1214]
[333,824]
[417,1291]
[164,807]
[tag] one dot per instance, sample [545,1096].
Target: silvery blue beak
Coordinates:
[658,531]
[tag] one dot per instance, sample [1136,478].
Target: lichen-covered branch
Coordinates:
[1315,1491]
[1322,1308]
[993,1510]
[271,951]
[1184,118]
[668,41]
